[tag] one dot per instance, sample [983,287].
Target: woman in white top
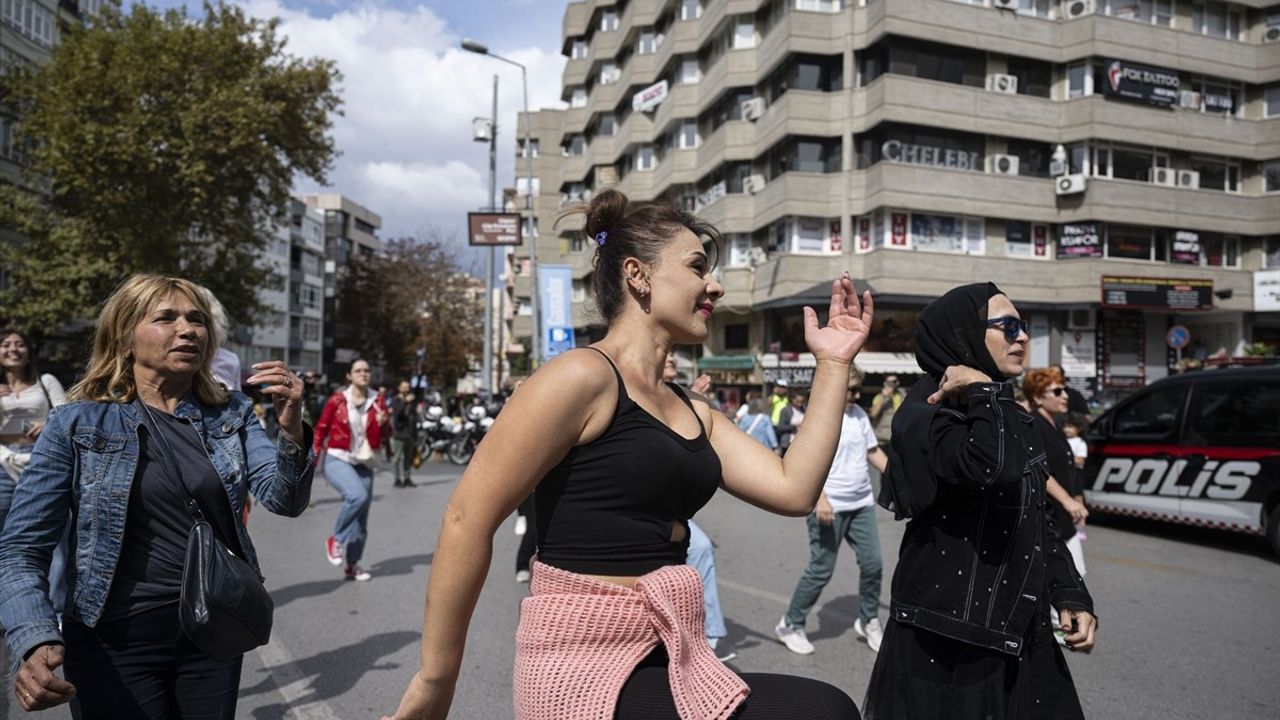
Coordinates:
[26,397]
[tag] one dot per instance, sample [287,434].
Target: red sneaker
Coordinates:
[333,550]
[355,572]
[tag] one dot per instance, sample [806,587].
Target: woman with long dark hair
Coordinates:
[981,562]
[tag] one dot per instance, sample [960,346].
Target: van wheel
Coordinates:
[1273,529]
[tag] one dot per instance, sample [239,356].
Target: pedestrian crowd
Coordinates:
[130,586]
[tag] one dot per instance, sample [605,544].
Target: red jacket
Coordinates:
[335,428]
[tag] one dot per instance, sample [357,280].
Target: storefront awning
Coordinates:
[883,363]
[818,296]
[727,362]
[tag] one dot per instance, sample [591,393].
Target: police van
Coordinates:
[1200,448]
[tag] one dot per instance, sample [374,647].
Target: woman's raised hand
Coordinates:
[848,324]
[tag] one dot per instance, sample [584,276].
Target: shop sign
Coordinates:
[1266,290]
[1079,353]
[1141,83]
[796,368]
[1142,293]
[1186,247]
[1080,240]
[650,97]
[898,221]
[912,154]
[488,229]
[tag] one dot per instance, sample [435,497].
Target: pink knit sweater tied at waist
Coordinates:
[580,638]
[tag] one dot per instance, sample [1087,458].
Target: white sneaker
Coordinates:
[522,576]
[793,637]
[522,525]
[871,632]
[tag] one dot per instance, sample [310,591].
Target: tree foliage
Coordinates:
[159,143]
[414,296]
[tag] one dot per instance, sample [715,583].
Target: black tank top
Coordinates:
[610,506]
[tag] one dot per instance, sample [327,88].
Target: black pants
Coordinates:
[144,668]
[529,541]
[647,696]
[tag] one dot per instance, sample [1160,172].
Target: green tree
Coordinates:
[414,295]
[159,143]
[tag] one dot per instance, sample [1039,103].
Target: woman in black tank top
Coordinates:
[619,460]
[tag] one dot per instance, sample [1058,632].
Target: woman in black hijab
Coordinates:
[968,635]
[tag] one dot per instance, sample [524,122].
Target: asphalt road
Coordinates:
[1190,620]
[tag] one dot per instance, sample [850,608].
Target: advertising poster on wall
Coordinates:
[1186,248]
[556,298]
[1080,240]
[1141,83]
[899,224]
[1079,353]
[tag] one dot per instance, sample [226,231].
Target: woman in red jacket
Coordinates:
[350,428]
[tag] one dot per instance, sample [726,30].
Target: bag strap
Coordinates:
[48,400]
[755,423]
[168,457]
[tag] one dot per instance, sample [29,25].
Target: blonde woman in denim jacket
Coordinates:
[119,645]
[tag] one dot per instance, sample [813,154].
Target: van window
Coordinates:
[1154,414]
[1235,414]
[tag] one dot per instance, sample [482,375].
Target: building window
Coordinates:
[578,97]
[744,33]
[1024,239]
[728,107]
[687,135]
[647,43]
[805,154]
[1079,80]
[530,149]
[1217,174]
[365,227]
[1033,157]
[824,6]
[925,60]
[1271,252]
[645,159]
[807,72]
[737,337]
[578,49]
[1271,102]
[947,233]
[1155,12]
[1121,163]
[11,147]
[1215,19]
[1034,8]
[687,73]
[1129,242]
[30,19]
[1035,77]
[608,20]
[574,145]
[1220,96]
[609,73]
[606,125]
[1271,176]
[690,9]
[1220,251]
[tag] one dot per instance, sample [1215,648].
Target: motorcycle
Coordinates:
[474,429]
[436,431]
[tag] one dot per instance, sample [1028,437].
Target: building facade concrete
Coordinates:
[1114,166]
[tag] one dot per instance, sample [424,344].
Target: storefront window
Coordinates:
[947,233]
[893,331]
[1129,242]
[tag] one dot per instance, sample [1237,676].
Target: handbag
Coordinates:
[224,609]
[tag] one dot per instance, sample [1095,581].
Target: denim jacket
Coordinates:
[85,462]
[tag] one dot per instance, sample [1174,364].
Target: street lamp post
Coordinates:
[487,363]
[536,339]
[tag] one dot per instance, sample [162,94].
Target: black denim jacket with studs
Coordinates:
[984,560]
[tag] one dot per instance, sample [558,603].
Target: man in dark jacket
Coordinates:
[404,425]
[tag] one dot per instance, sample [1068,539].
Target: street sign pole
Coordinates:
[487,364]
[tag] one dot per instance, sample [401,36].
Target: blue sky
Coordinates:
[410,95]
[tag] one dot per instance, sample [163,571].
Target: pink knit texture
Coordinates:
[580,638]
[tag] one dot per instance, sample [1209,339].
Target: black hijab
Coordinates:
[952,331]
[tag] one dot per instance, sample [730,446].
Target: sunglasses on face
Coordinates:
[1057,392]
[1011,326]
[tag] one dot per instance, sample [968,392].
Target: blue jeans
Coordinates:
[355,483]
[858,528]
[703,559]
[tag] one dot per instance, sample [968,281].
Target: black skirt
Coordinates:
[920,675]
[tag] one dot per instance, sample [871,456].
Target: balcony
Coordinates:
[734,140]
[734,213]
[682,39]
[987,195]
[804,32]
[639,185]
[575,72]
[799,193]
[603,150]
[1098,35]
[574,169]
[1186,130]
[801,112]
[678,167]
[577,18]
[682,102]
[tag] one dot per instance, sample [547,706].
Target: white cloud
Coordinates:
[410,94]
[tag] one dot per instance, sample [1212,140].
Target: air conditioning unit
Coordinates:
[1069,184]
[1078,8]
[757,256]
[1004,4]
[752,184]
[1189,99]
[1271,34]
[1189,179]
[753,109]
[1081,319]
[1164,176]
[1002,83]
[1002,164]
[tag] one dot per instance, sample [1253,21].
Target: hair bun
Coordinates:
[605,212]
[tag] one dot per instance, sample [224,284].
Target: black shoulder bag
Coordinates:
[225,609]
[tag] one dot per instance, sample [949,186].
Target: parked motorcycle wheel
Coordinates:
[460,451]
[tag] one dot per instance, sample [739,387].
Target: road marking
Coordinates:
[292,683]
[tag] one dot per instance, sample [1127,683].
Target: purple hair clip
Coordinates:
[601,237]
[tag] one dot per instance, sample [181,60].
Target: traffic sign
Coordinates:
[1178,337]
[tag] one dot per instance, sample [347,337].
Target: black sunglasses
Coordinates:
[1011,326]
[1057,392]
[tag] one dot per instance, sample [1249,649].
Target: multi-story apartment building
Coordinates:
[1113,165]
[350,230]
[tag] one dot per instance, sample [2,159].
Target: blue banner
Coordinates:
[556,306]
